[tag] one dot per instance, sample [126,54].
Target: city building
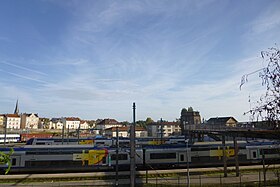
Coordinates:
[84,124]
[12,121]
[124,132]
[163,129]
[56,123]
[2,119]
[44,123]
[189,118]
[29,121]
[105,124]
[71,122]
[222,122]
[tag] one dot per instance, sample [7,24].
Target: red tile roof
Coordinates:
[108,121]
[12,115]
[125,129]
[72,119]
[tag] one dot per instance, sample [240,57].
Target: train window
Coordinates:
[120,157]
[162,155]
[182,157]
[254,154]
[14,161]
[99,143]
[40,143]
[271,151]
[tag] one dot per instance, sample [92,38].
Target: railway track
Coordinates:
[193,171]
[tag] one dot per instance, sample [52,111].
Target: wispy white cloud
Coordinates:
[23,76]
[268,19]
[22,67]
[162,55]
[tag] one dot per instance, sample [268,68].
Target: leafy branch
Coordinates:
[5,159]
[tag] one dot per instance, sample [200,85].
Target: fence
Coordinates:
[247,178]
[256,178]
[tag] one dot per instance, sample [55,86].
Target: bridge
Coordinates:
[219,131]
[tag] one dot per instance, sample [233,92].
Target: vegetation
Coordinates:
[5,159]
[267,108]
[142,123]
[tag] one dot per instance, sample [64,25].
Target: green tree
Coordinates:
[141,123]
[149,120]
[125,123]
[5,158]
[91,123]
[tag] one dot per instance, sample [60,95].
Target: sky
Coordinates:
[93,58]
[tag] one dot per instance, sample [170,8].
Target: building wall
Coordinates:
[231,123]
[191,118]
[72,124]
[84,125]
[152,130]
[56,125]
[165,129]
[2,119]
[29,121]
[12,122]
[141,134]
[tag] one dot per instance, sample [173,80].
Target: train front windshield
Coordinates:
[30,141]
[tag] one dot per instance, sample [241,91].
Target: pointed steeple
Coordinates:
[16,109]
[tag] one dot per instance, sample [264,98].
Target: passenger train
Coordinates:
[103,141]
[80,158]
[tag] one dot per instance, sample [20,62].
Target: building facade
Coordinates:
[219,122]
[71,122]
[106,124]
[124,132]
[29,121]
[163,129]
[2,119]
[84,124]
[189,118]
[12,121]
[56,123]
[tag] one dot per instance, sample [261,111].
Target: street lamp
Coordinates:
[187,147]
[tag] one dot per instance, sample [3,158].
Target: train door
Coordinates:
[182,157]
[253,154]
[16,161]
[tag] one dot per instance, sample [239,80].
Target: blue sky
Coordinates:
[93,59]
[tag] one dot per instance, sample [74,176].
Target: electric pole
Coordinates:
[132,149]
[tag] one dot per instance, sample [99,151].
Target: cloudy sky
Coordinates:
[93,59]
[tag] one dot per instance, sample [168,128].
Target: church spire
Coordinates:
[16,109]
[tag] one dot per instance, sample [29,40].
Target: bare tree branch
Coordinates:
[268,106]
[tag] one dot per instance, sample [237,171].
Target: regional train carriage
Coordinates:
[71,158]
[100,142]
[103,141]
[57,158]
[166,156]
[211,153]
[258,152]
[123,157]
